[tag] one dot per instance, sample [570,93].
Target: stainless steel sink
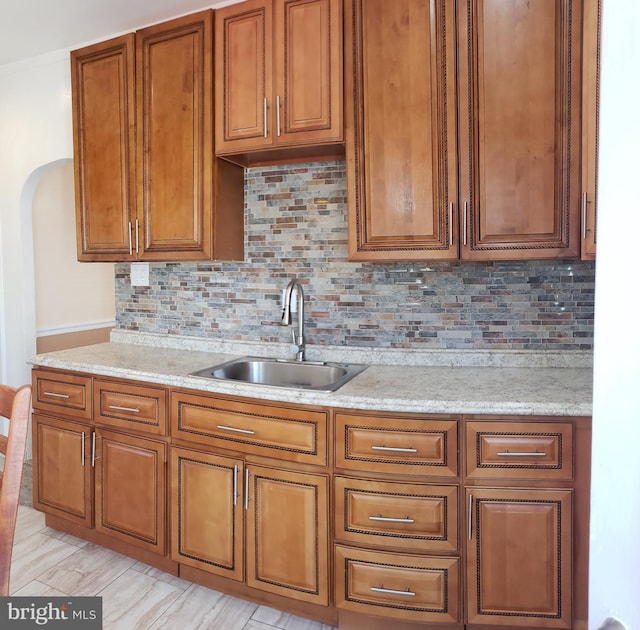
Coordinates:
[326,377]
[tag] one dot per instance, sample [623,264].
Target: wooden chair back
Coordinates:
[15,405]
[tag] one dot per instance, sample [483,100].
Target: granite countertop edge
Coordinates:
[517,383]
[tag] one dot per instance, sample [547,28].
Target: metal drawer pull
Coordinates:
[265,123]
[93,450]
[450,223]
[391,591]
[118,408]
[225,428]
[516,454]
[56,395]
[235,485]
[386,519]
[246,489]
[82,449]
[470,518]
[394,449]
[464,227]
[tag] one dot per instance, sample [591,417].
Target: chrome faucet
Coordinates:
[298,339]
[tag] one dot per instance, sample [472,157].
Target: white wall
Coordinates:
[35,130]
[615,497]
[69,295]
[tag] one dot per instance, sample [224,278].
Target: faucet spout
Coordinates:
[298,335]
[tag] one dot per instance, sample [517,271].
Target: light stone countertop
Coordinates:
[440,382]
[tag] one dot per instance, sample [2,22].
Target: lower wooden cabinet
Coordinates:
[110,481]
[413,521]
[130,489]
[62,472]
[207,520]
[266,526]
[288,533]
[519,557]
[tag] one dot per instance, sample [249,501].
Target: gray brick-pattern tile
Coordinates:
[296,225]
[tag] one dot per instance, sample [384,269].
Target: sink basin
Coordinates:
[326,377]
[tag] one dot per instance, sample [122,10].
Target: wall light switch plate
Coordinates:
[139,274]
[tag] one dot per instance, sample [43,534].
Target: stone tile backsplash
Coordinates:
[296,226]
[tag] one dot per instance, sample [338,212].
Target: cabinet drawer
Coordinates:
[397,585]
[410,516]
[62,394]
[282,432]
[397,444]
[139,407]
[519,450]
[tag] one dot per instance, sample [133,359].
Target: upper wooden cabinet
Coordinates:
[401,133]
[177,202]
[102,92]
[278,80]
[503,182]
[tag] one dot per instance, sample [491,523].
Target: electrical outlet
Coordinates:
[139,274]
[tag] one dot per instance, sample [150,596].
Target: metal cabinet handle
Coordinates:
[235,485]
[391,591]
[93,450]
[82,449]
[464,223]
[265,122]
[118,408]
[470,518]
[246,489]
[137,237]
[226,428]
[278,115]
[130,241]
[56,395]
[516,454]
[394,450]
[386,519]
[584,215]
[450,223]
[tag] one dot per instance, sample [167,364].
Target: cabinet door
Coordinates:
[519,98]
[207,512]
[174,92]
[103,97]
[244,76]
[287,533]
[308,64]
[519,557]
[400,66]
[62,473]
[590,116]
[131,489]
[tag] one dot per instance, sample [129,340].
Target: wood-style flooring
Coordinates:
[134,595]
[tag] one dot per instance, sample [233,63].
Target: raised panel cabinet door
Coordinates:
[287,533]
[590,125]
[244,76]
[519,557]
[308,65]
[174,138]
[62,473]
[103,102]
[400,65]
[207,512]
[130,489]
[520,128]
